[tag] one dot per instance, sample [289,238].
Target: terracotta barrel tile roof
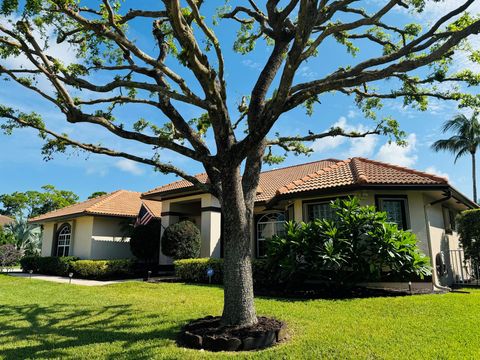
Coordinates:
[324,174]
[121,203]
[360,171]
[270,180]
[4,220]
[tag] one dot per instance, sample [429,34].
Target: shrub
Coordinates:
[60,266]
[469,231]
[181,241]
[28,263]
[195,271]
[358,245]
[102,269]
[9,256]
[145,241]
[48,265]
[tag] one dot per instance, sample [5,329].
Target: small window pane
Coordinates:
[396,211]
[267,226]
[320,211]
[63,241]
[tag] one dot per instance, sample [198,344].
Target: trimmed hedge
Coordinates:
[102,269]
[87,269]
[48,265]
[195,271]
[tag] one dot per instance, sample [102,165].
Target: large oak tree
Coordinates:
[184,66]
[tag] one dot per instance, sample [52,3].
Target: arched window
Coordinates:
[64,236]
[267,226]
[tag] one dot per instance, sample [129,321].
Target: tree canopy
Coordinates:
[33,203]
[97,194]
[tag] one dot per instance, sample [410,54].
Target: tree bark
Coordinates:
[474,177]
[239,308]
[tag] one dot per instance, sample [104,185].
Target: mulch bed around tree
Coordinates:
[208,334]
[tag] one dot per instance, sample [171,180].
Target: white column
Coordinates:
[211,227]
[167,219]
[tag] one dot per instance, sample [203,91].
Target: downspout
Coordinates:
[436,285]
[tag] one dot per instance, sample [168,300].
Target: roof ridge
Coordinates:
[107,197]
[302,164]
[171,183]
[403,168]
[358,173]
[292,185]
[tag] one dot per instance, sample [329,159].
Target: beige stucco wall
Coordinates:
[80,243]
[108,240]
[92,238]
[47,239]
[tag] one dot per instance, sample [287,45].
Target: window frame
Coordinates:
[403,199]
[65,247]
[307,203]
[449,222]
[258,221]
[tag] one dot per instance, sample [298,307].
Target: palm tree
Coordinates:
[27,236]
[466,140]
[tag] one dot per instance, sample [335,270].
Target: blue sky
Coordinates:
[22,167]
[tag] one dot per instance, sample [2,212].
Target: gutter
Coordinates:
[436,285]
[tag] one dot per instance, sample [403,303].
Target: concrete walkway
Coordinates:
[66,280]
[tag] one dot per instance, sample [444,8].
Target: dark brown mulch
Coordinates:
[211,326]
[208,334]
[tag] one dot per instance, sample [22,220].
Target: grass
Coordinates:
[134,320]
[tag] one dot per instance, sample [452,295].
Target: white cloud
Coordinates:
[363,147]
[307,72]
[351,114]
[129,166]
[97,171]
[252,64]
[433,170]
[399,155]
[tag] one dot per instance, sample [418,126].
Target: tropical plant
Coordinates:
[181,68]
[181,240]
[25,235]
[466,140]
[359,244]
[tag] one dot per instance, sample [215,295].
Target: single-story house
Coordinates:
[423,203]
[93,229]
[5,220]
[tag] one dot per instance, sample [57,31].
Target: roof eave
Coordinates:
[79,214]
[332,190]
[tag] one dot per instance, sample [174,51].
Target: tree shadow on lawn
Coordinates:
[318,293]
[55,331]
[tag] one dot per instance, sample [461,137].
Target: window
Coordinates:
[449,219]
[267,226]
[396,209]
[63,240]
[321,210]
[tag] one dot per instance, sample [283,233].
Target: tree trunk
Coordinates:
[239,308]
[474,177]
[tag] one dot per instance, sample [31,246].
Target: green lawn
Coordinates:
[139,321]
